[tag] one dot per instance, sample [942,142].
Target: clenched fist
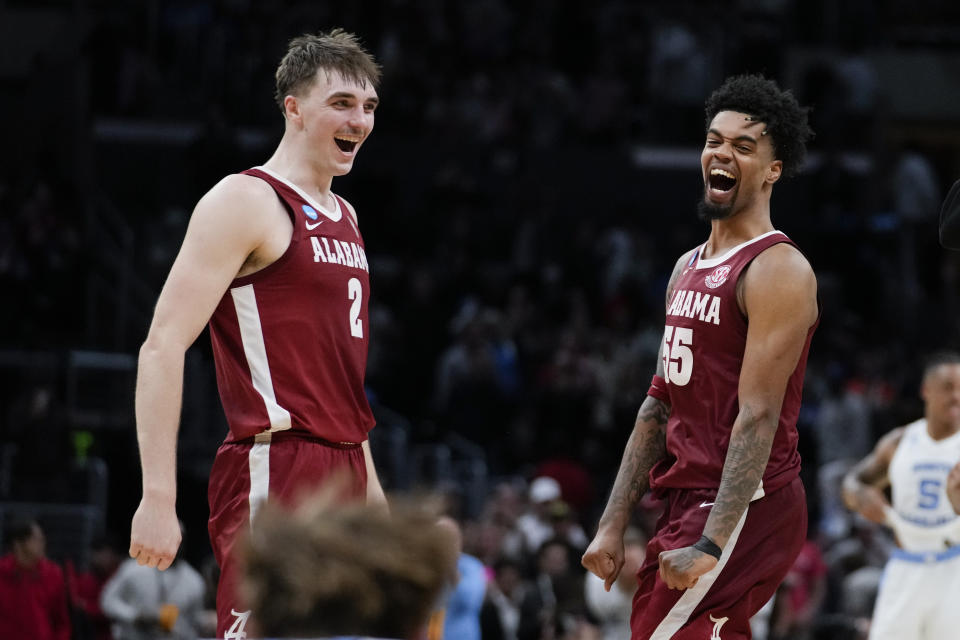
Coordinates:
[682,568]
[155,534]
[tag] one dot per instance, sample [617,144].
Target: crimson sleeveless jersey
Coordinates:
[290,341]
[702,351]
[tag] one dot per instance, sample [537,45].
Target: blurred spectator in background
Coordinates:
[145,603]
[950,218]
[500,614]
[458,614]
[548,517]
[916,191]
[801,595]
[843,432]
[499,534]
[33,595]
[87,586]
[555,605]
[916,198]
[612,608]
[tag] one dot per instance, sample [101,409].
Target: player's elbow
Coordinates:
[763,415]
[159,346]
[151,350]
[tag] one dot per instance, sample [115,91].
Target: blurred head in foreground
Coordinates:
[328,569]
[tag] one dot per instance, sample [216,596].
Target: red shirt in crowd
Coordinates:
[33,602]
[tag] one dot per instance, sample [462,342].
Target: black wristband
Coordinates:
[709,547]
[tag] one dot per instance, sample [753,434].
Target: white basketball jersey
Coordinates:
[922,517]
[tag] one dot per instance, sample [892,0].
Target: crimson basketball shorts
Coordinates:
[244,475]
[755,560]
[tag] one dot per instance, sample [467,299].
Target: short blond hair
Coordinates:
[337,51]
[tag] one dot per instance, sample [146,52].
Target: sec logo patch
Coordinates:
[717,277]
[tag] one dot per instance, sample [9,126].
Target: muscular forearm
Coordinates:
[647,445]
[747,456]
[158,397]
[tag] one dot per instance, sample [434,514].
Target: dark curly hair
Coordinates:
[760,97]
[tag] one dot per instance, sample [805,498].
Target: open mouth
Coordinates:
[346,144]
[721,180]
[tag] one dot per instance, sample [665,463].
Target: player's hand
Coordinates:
[604,556]
[872,504]
[681,568]
[953,487]
[154,534]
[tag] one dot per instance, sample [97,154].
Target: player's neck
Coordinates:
[941,429]
[292,165]
[741,227]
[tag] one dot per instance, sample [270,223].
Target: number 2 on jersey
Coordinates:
[677,355]
[355,293]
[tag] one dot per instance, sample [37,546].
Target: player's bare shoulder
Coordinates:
[238,198]
[887,445]
[244,217]
[784,260]
[780,273]
[678,268]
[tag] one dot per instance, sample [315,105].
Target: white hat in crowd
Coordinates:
[544,489]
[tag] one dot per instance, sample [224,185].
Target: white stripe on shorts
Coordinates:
[680,613]
[259,461]
[255,349]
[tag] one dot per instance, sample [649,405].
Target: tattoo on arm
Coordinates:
[677,270]
[747,456]
[655,411]
[647,445]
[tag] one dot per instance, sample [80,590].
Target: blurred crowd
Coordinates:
[528,187]
[519,578]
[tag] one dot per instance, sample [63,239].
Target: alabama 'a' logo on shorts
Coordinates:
[238,630]
[717,623]
[717,277]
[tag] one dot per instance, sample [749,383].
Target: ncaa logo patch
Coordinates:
[717,277]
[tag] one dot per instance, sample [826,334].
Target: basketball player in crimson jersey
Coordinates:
[716,436]
[274,261]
